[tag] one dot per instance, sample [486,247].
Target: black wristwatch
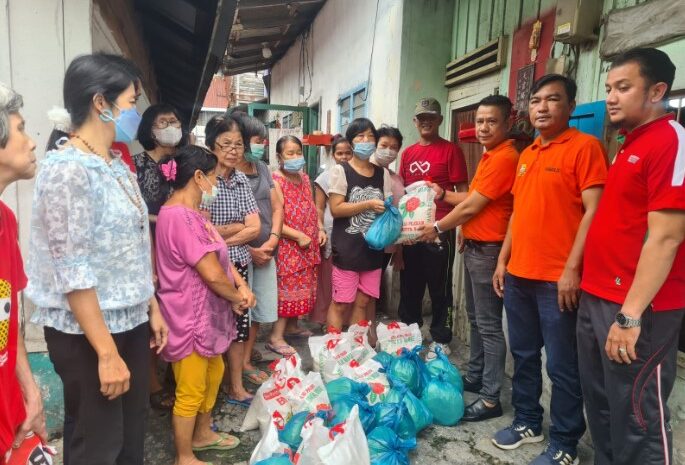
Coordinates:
[624,321]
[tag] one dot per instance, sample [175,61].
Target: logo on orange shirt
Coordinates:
[522,170]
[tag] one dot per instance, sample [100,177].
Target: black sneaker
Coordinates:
[471,386]
[516,435]
[555,456]
[478,411]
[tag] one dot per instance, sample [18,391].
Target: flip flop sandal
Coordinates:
[300,334]
[256,356]
[216,445]
[162,400]
[254,376]
[284,350]
[241,403]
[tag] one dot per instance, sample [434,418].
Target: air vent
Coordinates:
[483,60]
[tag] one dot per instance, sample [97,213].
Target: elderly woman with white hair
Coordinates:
[21,408]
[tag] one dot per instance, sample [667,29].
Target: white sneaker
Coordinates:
[431,355]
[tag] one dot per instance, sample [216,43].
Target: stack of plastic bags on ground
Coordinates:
[358,406]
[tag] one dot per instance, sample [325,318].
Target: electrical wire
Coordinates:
[373,42]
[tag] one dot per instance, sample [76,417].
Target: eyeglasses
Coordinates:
[228,147]
[163,124]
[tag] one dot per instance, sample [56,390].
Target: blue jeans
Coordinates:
[535,321]
[484,308]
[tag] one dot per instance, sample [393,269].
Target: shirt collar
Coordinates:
[560,139]
[506,144]
[638,131]
[232,178]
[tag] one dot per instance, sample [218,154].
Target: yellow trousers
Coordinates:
[197,384]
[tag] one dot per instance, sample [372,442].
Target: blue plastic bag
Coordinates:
[385,359]
[386,448]
[343,406]
[441,364]
[410,369]
[444,401]
[276,459]
[386,228]
[346,387]
[396,417]
[419,413]
[290,434]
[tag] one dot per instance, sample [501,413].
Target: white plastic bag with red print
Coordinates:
[309,394]
[314,436]
[271,403]
[268,446]
[320,345]
[369,373]
[397,335]
[417,208]
[341,353]
[348,443]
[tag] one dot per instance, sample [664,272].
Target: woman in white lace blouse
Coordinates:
[89,267]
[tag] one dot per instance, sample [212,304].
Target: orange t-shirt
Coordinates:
[494,178]
[548,206]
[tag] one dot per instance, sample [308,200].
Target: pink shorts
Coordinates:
[346,283]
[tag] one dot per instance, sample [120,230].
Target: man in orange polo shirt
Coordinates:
[558,184]
[484,215]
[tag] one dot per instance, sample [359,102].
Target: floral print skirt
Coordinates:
[297,292]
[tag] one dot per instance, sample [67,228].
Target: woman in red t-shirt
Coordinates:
[21,407]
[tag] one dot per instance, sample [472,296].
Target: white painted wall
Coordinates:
[341,52]
[38,39]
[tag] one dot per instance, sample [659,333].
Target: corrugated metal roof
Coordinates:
[266,23]
[186,42]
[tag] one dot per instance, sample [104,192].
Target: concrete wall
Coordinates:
[426,39]
[340,49]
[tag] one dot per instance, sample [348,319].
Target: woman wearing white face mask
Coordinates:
[160,133]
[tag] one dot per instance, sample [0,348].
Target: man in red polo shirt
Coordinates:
[633,284]
[434,159]
[21,407]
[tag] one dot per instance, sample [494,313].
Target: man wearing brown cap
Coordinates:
[437,160]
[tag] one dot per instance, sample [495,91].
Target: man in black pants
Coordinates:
[434,159]
[633,285]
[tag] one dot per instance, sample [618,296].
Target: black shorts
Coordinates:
[242,323]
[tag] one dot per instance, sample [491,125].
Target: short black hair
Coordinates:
[221,124]
[90,75]
[338,139]
[358,126]
[655,65]
[499,101]
[389,131]
[253,126]
[569,85]
[189,159]
[145,136]
[282,141]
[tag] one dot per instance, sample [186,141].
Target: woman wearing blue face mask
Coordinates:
[89,267]
[298,250]
[356,193]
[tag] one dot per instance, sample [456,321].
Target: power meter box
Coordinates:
[577,21]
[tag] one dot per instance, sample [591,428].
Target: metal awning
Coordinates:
[270,24]
[186,41]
